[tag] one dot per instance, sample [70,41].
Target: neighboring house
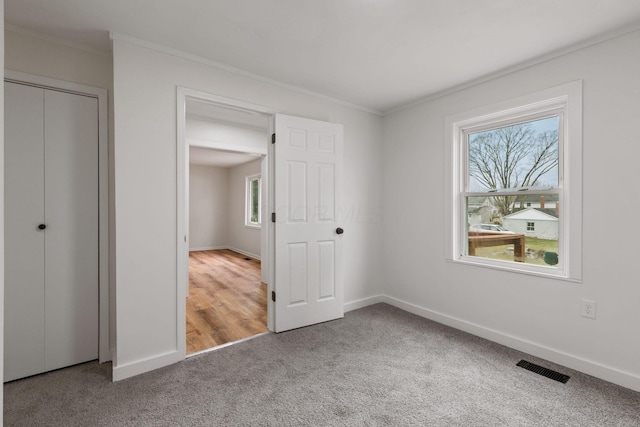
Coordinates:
[546,203]
[532,222]
[480,210]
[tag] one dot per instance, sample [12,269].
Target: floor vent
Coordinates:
[557,376]
[247,259]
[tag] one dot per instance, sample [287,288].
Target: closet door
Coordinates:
[24,241]
[51,230]
[71,215]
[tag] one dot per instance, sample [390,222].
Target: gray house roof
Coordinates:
[532,214]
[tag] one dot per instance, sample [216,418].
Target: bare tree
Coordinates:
[511,157]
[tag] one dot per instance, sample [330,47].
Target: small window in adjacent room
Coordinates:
[514,203]
[253,201]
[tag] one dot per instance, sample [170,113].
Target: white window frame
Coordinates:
[247,207]
[565,100]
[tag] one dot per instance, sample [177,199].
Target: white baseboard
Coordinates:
[249,254]
[231,248]
[607,373]
[207,248]
[128,370]
[364,302]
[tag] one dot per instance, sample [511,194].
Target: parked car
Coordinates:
[490,228]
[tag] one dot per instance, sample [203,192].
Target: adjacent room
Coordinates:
[227,299]
[319,213]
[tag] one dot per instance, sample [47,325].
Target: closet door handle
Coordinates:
[42,226]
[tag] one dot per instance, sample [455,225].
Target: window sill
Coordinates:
[252,226]
[529,270]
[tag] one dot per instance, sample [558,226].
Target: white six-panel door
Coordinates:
[51,274]
[308,235]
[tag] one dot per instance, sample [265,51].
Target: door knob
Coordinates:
[42,226]
[339,230]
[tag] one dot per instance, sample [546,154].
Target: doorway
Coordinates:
[226,299]
[304,174]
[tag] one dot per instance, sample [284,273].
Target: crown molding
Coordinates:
[218,65]
[51,39]
[520,66]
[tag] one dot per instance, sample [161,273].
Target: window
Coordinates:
[253,201]
[523,157]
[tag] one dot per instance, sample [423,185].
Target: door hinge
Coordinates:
[273,217]
[273,138]
[273,296]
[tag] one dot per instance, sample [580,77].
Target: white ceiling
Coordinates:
[379,54]
[203,110]
[223,159]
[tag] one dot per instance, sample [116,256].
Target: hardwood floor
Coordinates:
[227,302]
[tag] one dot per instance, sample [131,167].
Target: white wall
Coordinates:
[542,229]
[145,83]
[535,314]
[217,209]
[208,207]
[242,239]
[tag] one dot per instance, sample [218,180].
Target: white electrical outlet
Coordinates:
[588,309]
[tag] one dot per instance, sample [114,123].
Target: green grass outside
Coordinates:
[503,253]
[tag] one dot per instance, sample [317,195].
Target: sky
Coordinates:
[539,126]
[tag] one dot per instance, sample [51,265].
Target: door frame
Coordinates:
[182,219]
[104,349]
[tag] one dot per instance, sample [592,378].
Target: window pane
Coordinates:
[527,234]
[255,200]
[523,155]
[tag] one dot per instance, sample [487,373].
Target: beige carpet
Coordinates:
[377,366]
